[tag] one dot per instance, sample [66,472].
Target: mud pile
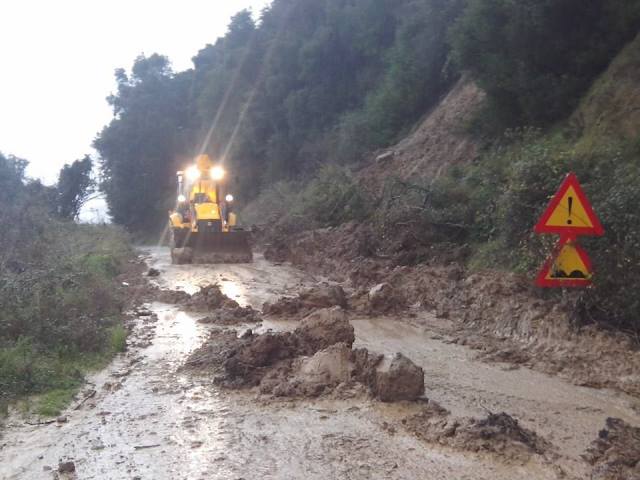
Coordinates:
[615,454]
[209,297]
[315,359]
[322,296]
[381,299]
[232,316]
[498,434]
[222,309]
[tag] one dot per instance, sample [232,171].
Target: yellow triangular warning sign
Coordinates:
[570,267]
[569,212]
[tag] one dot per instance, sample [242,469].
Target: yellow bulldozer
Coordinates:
[204,226]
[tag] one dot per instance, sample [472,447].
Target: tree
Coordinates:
[535,58]
[270,98]
[142,147]
[74,187]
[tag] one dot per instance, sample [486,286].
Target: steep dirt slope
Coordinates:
[612,106]
[437,143]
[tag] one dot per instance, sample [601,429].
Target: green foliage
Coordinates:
[333,197]
[412,81]
[140,149]
[330,198]
[53,402]
[59,305]
[536,58]
[74,187]
[118,338]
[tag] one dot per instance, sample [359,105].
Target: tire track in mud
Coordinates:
[186,427]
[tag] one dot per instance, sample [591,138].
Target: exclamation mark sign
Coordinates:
[569,221]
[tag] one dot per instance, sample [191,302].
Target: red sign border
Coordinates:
[543,281]
[571,180]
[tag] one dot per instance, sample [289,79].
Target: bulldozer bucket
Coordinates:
[213,247]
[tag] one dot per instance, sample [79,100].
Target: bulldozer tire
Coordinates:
[181,256]
[179,237]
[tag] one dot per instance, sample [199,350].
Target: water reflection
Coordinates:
[234,290]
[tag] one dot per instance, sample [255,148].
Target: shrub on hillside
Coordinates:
[331,197]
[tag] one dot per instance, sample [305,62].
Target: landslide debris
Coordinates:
[231,316]
[209,297]
[615,454]
[314,359]
[498,433]
[398,379]
[321,296]
[500,314]
[222,309]
[381,299]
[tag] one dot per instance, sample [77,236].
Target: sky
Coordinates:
[57,60]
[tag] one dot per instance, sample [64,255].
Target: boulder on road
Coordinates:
[329,366]
[398,379]
[321,296]
[66,467]
[384,298]
[324,328]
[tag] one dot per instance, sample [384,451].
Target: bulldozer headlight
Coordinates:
[193,173]
[217,173]
[229,198]
[182,198]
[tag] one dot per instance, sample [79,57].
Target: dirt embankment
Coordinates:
[437,143]
[500,314]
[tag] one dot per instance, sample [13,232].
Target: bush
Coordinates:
[329,198]
[118,338]
[333,197]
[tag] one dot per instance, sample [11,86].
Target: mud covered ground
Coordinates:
[499,314]
[153,414]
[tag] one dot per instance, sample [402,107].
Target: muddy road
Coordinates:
[146,418]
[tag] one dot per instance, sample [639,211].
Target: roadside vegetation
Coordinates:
[59,302]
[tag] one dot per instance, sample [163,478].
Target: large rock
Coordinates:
[324,328]
[383,298]
[311,376]
[398,379]
[257,351]
[329,366]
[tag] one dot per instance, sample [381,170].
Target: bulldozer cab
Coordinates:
[201,198]
[203,227]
